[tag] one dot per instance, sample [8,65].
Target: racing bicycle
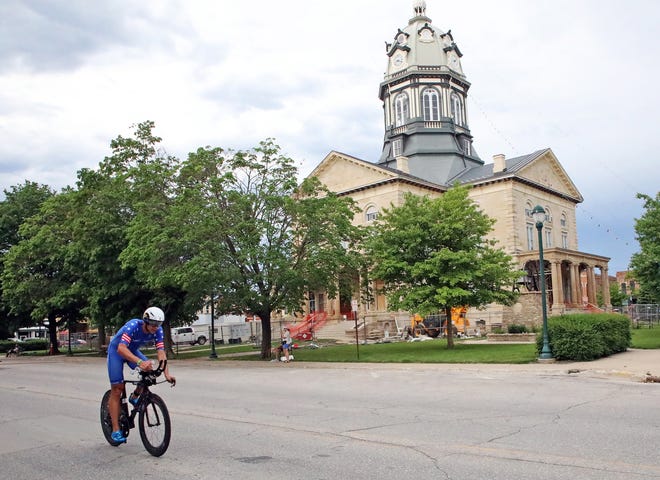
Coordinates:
[152,414]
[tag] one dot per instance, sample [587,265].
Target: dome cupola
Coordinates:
[424,100]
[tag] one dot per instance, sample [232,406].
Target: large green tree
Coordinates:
[241,230]
[41,272]
[646,263]
[132,198]
[20,203]
[433,254]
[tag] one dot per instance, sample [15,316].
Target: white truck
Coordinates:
[187,335]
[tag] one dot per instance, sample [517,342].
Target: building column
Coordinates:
[591,285]
[607,300]
[557,288]
[576,299]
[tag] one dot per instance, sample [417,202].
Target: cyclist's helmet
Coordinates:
[153,316]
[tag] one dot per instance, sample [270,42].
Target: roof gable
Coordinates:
[546,171]
[340,172]
[343,173]
[540,168]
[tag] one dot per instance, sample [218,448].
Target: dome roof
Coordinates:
[421,44]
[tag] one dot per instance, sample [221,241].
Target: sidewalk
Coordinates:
[633,365]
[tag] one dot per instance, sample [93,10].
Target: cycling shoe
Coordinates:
[118,437]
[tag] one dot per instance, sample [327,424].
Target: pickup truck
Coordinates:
[187,335]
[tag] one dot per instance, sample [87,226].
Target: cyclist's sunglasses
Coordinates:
[152,323]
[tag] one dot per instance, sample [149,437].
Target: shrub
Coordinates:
[516,328]
[583,337]
[28,345]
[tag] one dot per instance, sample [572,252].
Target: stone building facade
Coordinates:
[428,147]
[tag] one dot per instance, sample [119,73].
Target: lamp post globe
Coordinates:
[538,214]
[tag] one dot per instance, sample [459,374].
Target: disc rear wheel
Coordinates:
[106,420]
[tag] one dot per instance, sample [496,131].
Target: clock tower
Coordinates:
[424,103]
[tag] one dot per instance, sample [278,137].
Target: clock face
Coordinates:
[398,60]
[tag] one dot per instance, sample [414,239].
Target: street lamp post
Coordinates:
[538,214]
[213,354]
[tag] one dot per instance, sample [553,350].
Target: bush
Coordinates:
[28,345]
[516,328]
[582,337]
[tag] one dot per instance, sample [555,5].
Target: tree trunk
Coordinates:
[266,335]
[450,328]
[52,335]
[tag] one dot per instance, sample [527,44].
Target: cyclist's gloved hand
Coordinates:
[171,379]
[146,365]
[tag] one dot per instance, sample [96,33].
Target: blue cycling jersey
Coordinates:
[132,335]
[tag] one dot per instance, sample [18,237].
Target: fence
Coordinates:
[643,314]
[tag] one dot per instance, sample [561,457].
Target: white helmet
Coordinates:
[153,316]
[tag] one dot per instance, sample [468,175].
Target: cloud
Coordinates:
[578,77]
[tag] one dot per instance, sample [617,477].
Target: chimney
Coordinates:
[402,164]
[499,163]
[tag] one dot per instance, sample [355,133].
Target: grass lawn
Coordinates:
[432,351]
[648,338]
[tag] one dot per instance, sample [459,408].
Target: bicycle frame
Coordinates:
[148,379]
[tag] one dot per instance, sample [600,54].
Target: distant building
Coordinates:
[628,285]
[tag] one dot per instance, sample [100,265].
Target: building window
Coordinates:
[321,303]
[467,150]
[457,109]
[563,220]
[564,240]
[431,105]
[371,213]
[312,302]
[397,148]
[401,109]
[548,215]
[530,236]
[548,238]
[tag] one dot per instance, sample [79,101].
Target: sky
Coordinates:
[577,76]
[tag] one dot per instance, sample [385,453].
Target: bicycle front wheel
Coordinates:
[155,426]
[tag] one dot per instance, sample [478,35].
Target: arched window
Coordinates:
[431,105]
[371,213]
[401,109]
[457,109]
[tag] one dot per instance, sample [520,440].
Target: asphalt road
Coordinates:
[252,420]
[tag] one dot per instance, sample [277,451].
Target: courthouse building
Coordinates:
[428,147]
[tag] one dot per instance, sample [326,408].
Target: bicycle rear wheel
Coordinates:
[106,420]
[155,426]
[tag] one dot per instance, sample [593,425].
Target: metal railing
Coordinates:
[642,314]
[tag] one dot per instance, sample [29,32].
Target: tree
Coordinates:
[239,229]
[40,272]
[617,297]
[432,254]
[646,263]
[20,203]
[137,193]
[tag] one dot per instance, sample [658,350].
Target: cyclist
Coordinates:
[124,348]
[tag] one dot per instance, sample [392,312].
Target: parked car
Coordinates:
[187,335]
